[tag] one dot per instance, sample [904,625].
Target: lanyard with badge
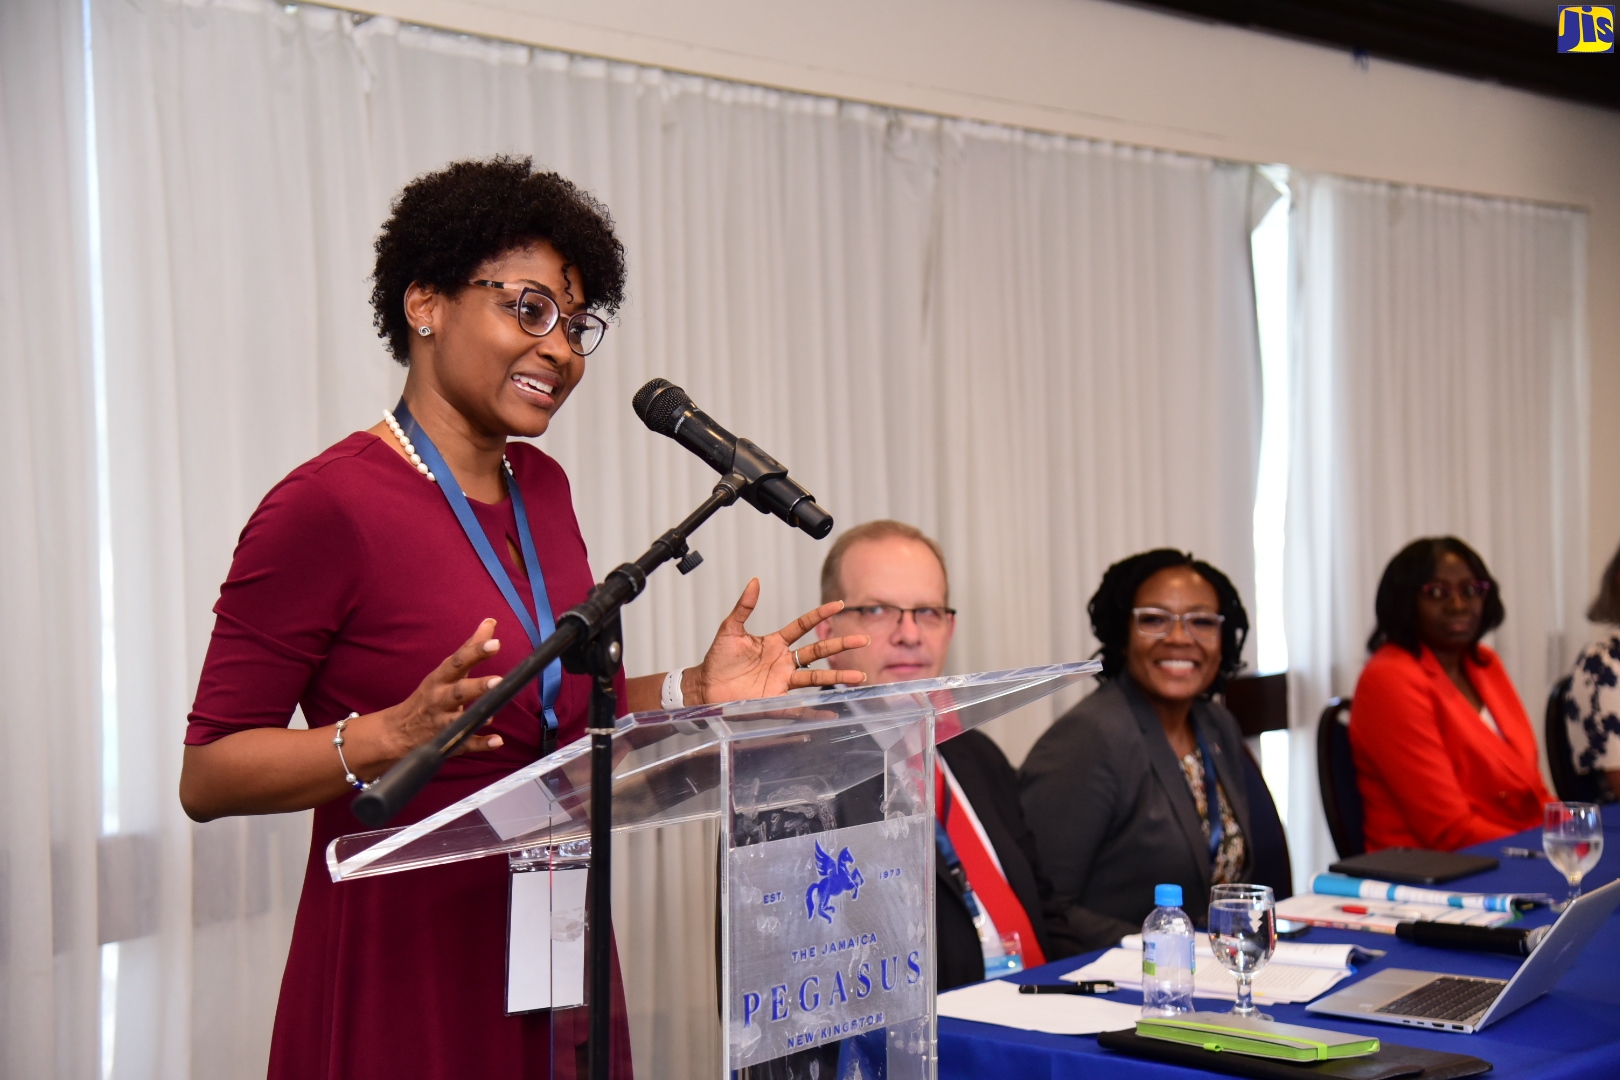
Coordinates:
[537,626]
[543,970]
[997,960]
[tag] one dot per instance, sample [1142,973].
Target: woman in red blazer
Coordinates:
[1445,755]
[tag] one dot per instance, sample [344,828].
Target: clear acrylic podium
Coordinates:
[819,944]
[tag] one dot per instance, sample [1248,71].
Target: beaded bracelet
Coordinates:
[348,774]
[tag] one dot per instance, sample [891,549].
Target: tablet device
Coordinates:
[1392,1062]
[1414,866]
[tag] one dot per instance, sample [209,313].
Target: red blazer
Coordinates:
[1431,773]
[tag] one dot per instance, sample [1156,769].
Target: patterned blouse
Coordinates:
[1594,718]
[1233,851]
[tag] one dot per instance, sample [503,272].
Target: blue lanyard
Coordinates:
[1212,795]
[953,867]
[551,681]
[947,853]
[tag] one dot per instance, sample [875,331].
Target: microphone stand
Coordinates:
[588,641]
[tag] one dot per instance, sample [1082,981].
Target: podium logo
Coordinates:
[834,876]
[1586,29]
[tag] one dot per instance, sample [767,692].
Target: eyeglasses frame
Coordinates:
[524,290]
[1176,620]
[854,609]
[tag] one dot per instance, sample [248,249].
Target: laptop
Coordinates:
[1465,1003]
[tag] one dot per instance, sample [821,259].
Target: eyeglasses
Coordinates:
[1442,591]
[538,314]
[883,618]
[1152,622]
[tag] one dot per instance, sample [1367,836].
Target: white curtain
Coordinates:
[1439,385]
[1041,350]
[232,159]
[49,771]
[992,334]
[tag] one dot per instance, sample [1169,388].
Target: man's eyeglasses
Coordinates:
[882,618]
[1442,591]
[538,314]
[1152,622]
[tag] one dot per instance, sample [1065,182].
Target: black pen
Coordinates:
[1522,853]
[1101,986]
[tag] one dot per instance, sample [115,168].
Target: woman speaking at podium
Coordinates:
[353,591]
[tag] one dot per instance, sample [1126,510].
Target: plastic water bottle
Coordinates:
[1168,952]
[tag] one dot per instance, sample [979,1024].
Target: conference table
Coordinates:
[1572,1032]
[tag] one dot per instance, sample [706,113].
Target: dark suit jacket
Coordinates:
[990,784]
[1112,815]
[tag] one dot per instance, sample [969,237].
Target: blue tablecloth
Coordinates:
[1574,1031]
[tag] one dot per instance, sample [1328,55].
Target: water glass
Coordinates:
[1243,934]
[1572,837]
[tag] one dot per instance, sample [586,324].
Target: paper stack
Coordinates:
[999,1002]
[1297,972]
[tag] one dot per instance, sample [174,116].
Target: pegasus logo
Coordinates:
[835,877]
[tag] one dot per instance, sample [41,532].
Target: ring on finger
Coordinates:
[798,665]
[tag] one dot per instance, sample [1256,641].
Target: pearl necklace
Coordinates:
[410,450]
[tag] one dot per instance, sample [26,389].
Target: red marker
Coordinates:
[1354,909]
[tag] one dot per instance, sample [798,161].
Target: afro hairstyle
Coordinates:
[445,224]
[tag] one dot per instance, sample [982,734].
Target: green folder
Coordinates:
[1261,1038]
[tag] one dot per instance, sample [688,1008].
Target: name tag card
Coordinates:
[545,939]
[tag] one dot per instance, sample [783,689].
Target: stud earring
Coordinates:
[424,330]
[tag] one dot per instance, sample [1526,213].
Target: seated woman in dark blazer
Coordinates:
[1117,790]
[1445,755]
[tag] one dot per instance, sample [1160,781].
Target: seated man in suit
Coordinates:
[893,583]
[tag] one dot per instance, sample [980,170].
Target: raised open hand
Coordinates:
[740,666]
[444,695]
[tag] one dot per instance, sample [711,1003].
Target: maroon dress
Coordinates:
[351,582]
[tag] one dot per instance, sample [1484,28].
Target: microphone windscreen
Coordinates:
[645,395]
[660,404]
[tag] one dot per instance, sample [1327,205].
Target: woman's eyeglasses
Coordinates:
[1152,622]
[539,314]
[1442,591]
[882,618]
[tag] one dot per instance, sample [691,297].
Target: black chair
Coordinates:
[1259,702]
[1269,842]
[1570,785]
[1336,774]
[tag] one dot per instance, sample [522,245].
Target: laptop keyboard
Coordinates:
[1446,998]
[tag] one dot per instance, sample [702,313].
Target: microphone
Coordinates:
[1497,939]
[666,409]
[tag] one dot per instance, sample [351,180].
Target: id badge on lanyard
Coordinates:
[545,939]
[545,932]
